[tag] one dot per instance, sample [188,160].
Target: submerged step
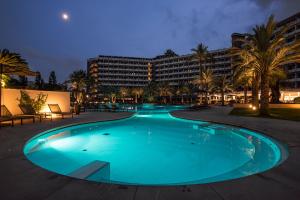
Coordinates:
[98,169]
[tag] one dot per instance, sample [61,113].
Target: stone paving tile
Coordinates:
[287,172]
[193,192]
[256,187]
[32,184]
[82,190]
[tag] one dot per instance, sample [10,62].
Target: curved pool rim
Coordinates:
[284,150]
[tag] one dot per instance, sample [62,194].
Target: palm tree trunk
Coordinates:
[182,100]
[264,98]
[222,96]
[136,97]
[206,98]
[275,92]
[255,90]
[245,94]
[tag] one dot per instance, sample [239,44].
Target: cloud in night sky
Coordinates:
[127,28]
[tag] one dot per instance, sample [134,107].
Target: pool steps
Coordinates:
[212,128]
[93,171]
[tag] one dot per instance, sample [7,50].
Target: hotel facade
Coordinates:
[116,71]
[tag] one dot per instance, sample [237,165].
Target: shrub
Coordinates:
[37,103]
[297,100]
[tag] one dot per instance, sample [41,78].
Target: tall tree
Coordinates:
[246,74]
[39,82]
[276,77]
[181,91]
[123,93]
[23,81]
[245,82]
[78,80]
[137,92]
[12,64]
[204,81]
[222,85]
[170,53]
[164,90]
[201,54]
[52,82]
[268,51]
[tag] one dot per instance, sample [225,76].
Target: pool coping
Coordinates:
[283,149]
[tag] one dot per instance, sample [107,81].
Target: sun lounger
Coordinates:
[55,109]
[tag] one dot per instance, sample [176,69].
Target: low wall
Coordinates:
[9,99]
[296,106]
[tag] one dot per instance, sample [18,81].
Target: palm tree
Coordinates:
[245,70]
[78,80]
[164,90]
[244,82]
[112,93]
[223,84]
[205,82]
[244,76]
[4,80]
[275,79]
[170,53]
[137,92]
[12,64]
[181,91]
[201,54]
[267,52]
[150,91]
[123,93]
[193,89]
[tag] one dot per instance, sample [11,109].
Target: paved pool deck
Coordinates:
[20,179]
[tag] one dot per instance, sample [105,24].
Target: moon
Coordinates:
[65,16]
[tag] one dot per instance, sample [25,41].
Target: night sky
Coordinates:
[36,30]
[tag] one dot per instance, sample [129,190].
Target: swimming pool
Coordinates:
[154,148]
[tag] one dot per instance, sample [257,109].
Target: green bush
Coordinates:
[297,100]
[37,103]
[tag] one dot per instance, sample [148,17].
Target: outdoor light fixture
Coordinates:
[253,108]
[250,106]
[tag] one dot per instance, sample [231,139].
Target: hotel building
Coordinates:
[115,71]
[292,34]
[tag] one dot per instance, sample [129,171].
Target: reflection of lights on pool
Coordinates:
[195,126]
[144,115]
[250,152]
[41,140]
[65,143]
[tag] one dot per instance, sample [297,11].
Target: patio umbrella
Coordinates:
[12,64]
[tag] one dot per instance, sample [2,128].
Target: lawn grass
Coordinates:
[276,113]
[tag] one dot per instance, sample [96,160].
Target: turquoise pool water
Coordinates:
[154,148]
